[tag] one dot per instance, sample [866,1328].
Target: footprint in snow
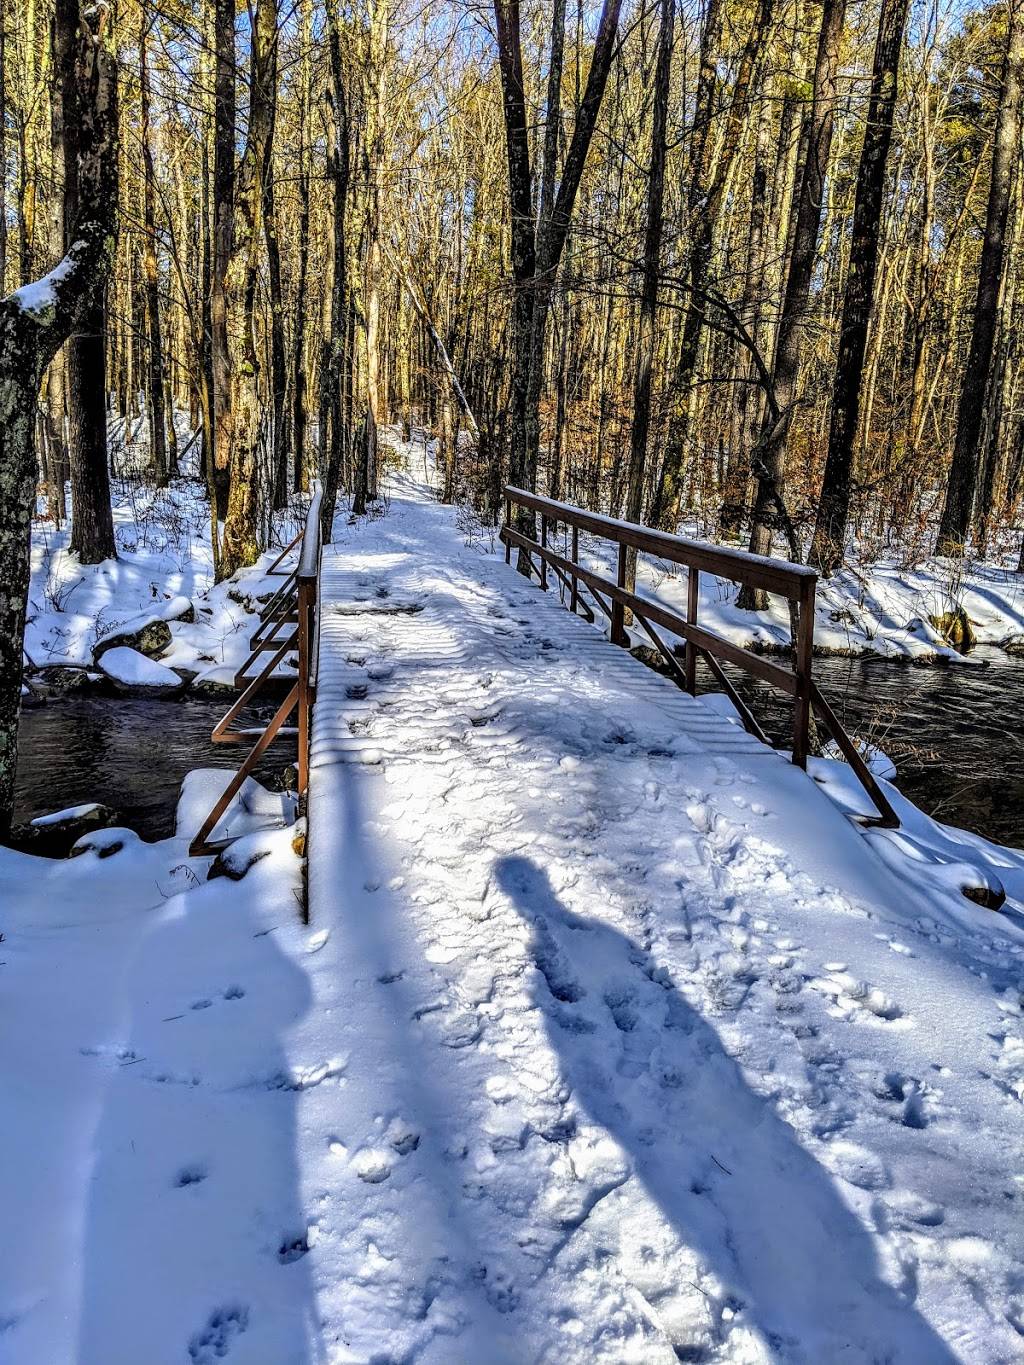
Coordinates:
[214,1342]
[295,1245]
[189,1175]
[372,1165]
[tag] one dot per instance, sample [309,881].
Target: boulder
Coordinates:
[956,628]
[146,635]
[63,679]
[180,609]
[218,681]
[53,836]
[104,842]
[134,675]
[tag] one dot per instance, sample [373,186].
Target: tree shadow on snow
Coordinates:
[728,1175]
[194,1234]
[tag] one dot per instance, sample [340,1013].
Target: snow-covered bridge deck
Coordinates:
[631,1062]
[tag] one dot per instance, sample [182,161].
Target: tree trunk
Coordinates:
[647,335]
[223,221]
[536,253]
[335,350]
[834,504]
[963,474]
[768,456]
[243,525]
[157,412]
[667,501]
[36,320]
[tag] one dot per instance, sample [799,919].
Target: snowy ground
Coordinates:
[164,563]
[610,1038]
[878,607]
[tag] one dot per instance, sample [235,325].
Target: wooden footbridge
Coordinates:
[318,586]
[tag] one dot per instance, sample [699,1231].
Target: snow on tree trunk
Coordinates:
[35,321]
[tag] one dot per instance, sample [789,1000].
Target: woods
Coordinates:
[749,269]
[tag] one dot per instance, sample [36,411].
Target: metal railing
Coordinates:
[288,623]
[795,582]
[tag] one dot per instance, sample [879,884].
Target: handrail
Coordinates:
[309,555]
[293,610]
[796,582]
[758,571]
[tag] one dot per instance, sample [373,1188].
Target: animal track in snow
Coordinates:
[295,1245]
[305,1078]
[214,1341]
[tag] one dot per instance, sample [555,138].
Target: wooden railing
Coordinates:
[795,582]
[288,623]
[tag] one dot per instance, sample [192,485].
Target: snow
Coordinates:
[880,606]
[252,808]
[611,1037]
[130,667]
[164,564]
[72,813]
[38,296]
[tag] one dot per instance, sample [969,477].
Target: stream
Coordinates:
[130,753]
[955,734]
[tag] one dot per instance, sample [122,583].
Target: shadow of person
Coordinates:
[730,1177]
[194,1234]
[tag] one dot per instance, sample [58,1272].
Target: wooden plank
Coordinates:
[888,819]
[756,664]
[773,575]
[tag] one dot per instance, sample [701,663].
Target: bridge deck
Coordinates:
[563,917]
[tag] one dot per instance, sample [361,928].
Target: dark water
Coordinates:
[130,754]
[955,733]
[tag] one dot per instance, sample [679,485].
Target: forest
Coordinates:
[747,268]
[407,953]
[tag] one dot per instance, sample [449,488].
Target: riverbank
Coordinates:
[880,607]
[595,1005]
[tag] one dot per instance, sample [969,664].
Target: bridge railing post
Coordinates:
[692,605]
[618,619]
[804,655]
[307,617]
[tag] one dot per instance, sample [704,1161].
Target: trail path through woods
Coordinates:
[610,1038]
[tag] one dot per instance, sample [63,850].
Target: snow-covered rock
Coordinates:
[53,835]
[253,809]
[133,674]
[147,635]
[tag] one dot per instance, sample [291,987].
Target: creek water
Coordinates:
[956,735]
[130,753]
[955,732]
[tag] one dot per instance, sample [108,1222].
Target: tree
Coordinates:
[92,521]
[958,508]
[243,537]
[157,410]
[768,456]
[37,319]
[536,248]
[834,505]
[647,338]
